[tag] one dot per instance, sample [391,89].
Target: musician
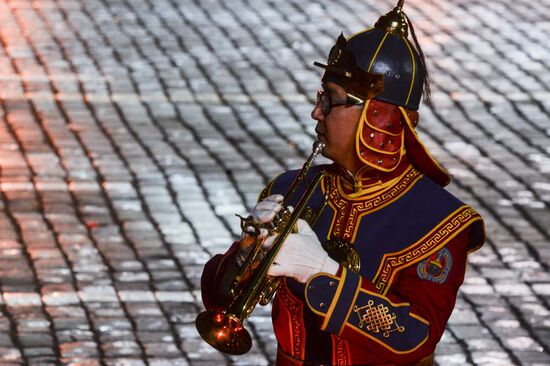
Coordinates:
[373,278]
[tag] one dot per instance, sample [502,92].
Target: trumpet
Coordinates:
[224,330]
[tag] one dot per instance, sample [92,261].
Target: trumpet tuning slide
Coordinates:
[223,332]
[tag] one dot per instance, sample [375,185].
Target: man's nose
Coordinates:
[317,113]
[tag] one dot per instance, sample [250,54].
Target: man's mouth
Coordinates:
[320,136]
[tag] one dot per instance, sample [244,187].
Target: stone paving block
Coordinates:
[108,336]
[42,360]
[38,339]
[125,361]
[74,361]
[492,358]
[161,361]
[39,353]
[87,349]
[121,348]
[161,350]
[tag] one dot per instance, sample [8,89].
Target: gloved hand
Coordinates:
[301,255]
[263,212]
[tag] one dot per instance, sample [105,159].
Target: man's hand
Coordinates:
[263,212]
[301,255]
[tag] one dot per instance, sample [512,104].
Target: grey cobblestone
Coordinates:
[133,130]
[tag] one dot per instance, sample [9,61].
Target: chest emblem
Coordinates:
[436,267]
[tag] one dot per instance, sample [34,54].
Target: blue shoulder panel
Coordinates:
[402,223]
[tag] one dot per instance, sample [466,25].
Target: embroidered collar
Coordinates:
[369,182]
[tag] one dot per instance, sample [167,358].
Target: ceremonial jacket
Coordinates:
[412,239]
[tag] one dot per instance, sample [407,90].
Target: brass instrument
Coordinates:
[224,330]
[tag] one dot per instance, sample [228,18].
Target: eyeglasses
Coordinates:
[326,102]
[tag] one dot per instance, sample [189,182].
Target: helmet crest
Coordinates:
[394,22]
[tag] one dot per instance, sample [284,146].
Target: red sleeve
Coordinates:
[216,279]
[404,325]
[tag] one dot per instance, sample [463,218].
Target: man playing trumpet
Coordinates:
[371,270]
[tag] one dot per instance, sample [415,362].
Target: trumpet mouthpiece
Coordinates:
[318,147]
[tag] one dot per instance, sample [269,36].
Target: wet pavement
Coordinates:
[134,130]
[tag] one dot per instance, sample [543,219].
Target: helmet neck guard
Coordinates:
[386,142]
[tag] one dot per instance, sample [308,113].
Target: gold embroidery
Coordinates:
[341,352]
[377,318]
[347,229]
[423,247]
[296,329]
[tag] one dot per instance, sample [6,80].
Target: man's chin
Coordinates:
[326,153]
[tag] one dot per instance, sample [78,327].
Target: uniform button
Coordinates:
[332,283]
[322,305]
[310,287]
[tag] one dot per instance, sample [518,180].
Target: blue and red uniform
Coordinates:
[412,238]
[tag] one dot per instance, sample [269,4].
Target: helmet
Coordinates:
[380,63]
[382,68]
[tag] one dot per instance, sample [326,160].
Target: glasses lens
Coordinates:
[326,104]
[325,101]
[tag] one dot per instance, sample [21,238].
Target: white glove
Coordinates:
[263,212]
[301,256]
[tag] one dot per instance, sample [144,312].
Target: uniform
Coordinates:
[400,239]
[395,309]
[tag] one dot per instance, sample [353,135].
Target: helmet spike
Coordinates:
[395,21]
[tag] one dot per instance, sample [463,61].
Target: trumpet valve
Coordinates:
[280,221]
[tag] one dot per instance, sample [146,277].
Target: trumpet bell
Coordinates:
[224,332]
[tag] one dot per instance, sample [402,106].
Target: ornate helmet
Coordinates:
[382,68]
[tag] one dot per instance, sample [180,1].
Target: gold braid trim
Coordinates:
[340,351]
[434,240]
[296,327]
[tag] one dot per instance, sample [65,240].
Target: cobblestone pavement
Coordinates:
[132,131]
